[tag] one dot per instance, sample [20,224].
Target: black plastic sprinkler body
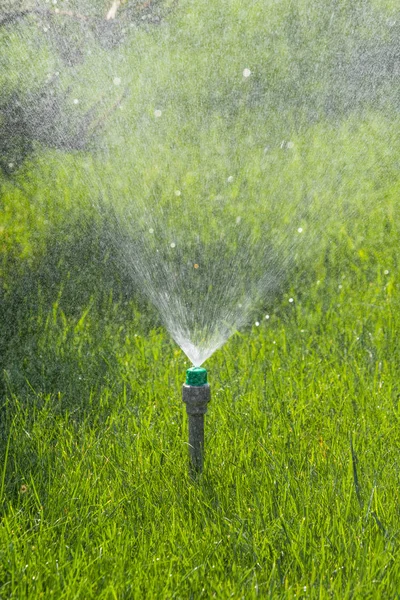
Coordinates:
[196,395]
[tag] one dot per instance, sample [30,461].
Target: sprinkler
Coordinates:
[196,395]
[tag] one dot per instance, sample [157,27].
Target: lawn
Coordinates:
[299,495]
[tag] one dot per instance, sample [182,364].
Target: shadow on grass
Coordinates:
[63,313]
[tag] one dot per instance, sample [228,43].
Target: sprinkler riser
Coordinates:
[196,399]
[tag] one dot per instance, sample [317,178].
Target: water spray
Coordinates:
[196,394]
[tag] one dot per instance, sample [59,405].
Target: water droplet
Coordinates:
[172,244]
[246,72]
[177,192]
[117,81]
[151,230]
[157,113]
[300,230]
[291,300]
[230,179]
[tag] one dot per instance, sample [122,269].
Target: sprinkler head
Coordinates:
[196,395]
[196,376]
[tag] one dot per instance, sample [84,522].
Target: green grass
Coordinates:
[300,492]
[299,497]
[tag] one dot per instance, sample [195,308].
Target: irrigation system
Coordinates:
[196,394]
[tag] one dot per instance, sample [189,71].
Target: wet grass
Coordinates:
[299,498]
[300,492]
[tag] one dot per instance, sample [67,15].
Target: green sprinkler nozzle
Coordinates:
[196,395]
[196,376]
